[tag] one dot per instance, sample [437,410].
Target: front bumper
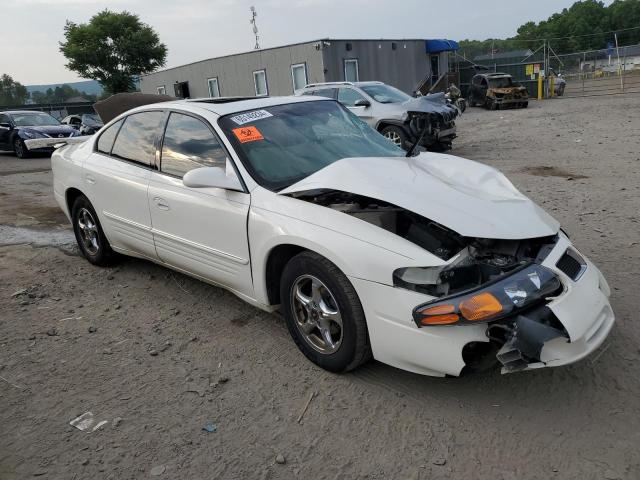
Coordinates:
[582,308]
[510,101]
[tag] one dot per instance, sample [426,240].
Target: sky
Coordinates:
[199,29]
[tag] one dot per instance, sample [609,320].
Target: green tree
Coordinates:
[586,25]
[113,48]
[12,92]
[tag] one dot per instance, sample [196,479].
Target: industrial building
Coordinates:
[283,70]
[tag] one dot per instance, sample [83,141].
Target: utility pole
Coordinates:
[254,14]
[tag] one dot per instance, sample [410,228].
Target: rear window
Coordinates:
[105,142]
[136,139]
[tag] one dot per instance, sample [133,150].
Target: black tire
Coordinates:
[354,348]
[395,135]
[525,104]
[103,255]
[19,148]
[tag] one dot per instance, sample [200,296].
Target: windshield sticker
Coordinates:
[247,134]
[251,116]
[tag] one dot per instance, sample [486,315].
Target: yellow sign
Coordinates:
[529,70]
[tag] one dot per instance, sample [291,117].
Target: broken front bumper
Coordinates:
[582,308]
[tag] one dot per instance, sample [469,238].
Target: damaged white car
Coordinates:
[430,263]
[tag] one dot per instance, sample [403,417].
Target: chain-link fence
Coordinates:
[599,72]
[611,70]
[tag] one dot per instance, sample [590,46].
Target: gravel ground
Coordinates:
[159,355]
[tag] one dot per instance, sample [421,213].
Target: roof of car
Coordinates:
[333,84]
[226,105]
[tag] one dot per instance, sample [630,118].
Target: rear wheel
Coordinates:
[20,148]
[395,135]
[323,313]
[89,234]
[525,104]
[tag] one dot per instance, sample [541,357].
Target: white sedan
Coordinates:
[430,263]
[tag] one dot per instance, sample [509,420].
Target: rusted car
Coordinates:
[497,90]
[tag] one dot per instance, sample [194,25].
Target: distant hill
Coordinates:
[88,86]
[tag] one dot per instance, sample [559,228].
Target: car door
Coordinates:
[349,96]
[116,180]
[5,131]
[202,231]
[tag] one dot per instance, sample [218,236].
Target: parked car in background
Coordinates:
[430,263]
[497,90]
[86,124]
[16,126]
[397,116]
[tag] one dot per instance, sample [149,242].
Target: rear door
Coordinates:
[5,132]
[199,230]
[116,180]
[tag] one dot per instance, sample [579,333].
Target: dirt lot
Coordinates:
[159,355]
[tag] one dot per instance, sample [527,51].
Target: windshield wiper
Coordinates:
[418,140]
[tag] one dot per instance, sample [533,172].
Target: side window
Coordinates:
[325,92]
[105,142]
[348,96]
[188,144]
[136,139]
[4,118]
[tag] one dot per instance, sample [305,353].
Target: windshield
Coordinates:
[385,93]
[501,82]
[33,119]
[91,119]
[283,144]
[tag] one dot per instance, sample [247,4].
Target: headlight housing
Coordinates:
[32,134]
[525,287]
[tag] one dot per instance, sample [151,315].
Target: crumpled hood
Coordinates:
[507,90]
[471,198]
[431,103]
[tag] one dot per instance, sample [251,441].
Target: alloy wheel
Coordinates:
[19,149]
[393,137]
[316,314]
[88,231]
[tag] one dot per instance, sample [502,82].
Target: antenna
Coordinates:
[254,14]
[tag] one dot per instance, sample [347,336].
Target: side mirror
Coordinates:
[362,103]
[211,177]
[5,125]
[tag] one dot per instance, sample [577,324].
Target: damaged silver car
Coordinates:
[400,118]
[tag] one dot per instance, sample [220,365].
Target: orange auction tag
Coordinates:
[247,134]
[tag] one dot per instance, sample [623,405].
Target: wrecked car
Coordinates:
[397,116]
[430,263]
[497,90]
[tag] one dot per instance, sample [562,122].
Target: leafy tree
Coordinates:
[60,94]
[586,25]
[112,48]
[12,92]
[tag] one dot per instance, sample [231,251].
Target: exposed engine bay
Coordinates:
[522,324]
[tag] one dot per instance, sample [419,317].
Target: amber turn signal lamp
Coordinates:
[480,307]
[440,319]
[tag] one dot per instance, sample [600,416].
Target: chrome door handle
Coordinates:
[90,179]
[161,203]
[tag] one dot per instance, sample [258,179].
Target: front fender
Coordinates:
[359,249]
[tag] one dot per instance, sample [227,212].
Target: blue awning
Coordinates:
[441,45]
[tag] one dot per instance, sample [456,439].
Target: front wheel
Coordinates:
[20,148]
[89,234]
[323,313]
[395,135]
